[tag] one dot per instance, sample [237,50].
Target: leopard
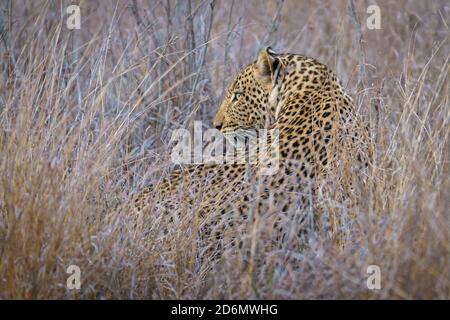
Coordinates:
[320,137]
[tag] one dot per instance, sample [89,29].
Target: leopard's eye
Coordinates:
[236,96]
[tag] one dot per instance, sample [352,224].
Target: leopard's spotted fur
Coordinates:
[319,132]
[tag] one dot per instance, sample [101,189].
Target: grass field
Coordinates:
[86,116]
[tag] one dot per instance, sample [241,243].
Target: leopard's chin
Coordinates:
[240,137]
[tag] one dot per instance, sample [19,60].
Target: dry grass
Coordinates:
[86,116]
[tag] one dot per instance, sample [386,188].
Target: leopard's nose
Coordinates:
[218,125]
[218,122]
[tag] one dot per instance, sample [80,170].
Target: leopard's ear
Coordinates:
[265,67]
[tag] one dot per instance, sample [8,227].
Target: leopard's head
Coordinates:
[246,106]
